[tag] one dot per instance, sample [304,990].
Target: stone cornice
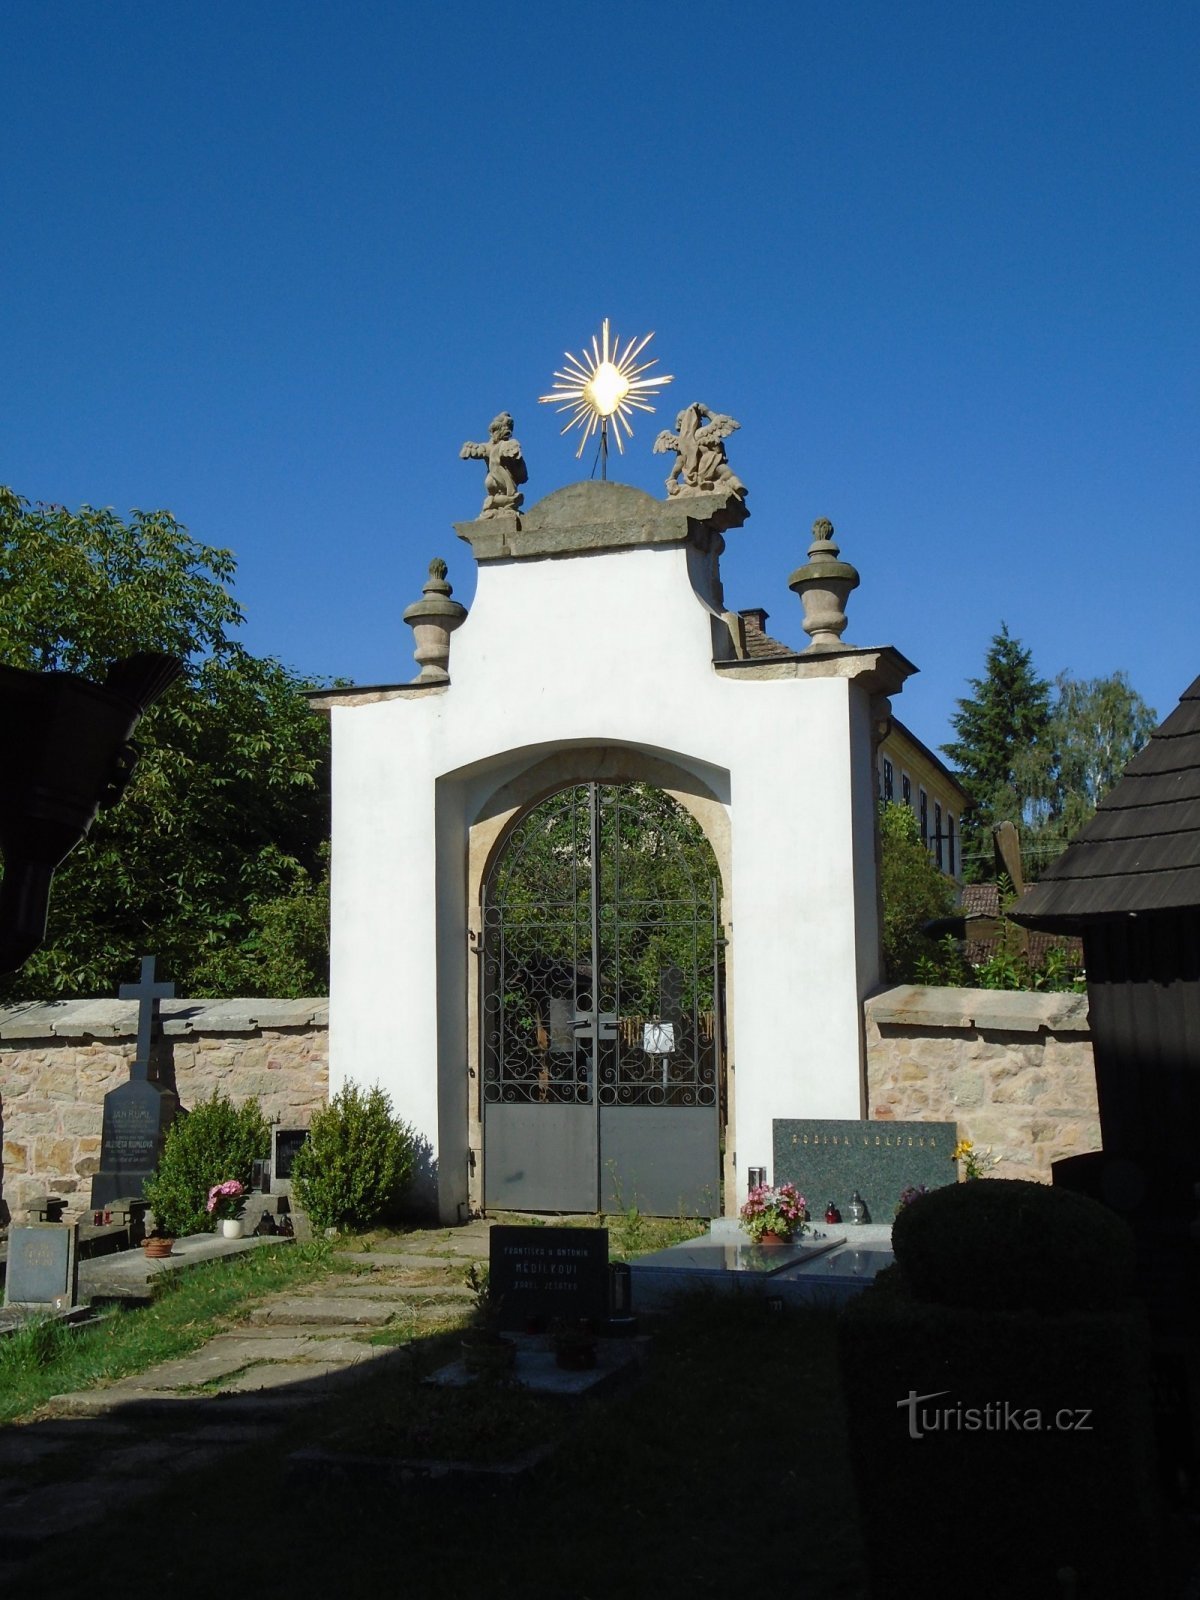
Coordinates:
[117,1019]
[584,518]
[881,670]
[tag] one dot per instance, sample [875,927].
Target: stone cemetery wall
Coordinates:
[57,1062]
[1013,1070]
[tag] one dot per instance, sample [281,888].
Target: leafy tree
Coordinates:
[1097,726]
[213,859]
[913,891]
[1003,751]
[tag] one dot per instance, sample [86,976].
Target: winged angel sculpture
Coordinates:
[699,446]
[505,466]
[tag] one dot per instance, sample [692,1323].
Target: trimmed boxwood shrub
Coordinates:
[1005,1244]
[357,1161]
[214,1141]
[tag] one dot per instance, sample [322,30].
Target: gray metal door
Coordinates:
[601,1007]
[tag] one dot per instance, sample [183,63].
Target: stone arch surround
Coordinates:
[489,831]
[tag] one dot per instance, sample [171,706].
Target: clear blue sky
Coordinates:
[269,264]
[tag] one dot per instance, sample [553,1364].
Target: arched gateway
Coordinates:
[578,998]
[602,1053]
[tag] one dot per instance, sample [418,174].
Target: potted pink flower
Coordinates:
[225,1206]
[773,1215]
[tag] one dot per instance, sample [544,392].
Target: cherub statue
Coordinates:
[700,464]
[506,466]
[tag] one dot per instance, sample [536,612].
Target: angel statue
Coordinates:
[700,464]
[506,466]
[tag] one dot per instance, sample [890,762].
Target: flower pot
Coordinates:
[774,1238]
[232,1227]
[575,1355]
[489,1355]
[155,1246]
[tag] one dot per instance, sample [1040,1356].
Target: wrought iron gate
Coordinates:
[602,1079]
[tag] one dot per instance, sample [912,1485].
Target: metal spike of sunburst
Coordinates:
[605,383]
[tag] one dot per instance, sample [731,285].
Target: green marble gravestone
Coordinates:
[829,1160]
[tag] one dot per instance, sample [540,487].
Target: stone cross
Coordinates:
[147,993]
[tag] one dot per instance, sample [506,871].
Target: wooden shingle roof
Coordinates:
[1141,851]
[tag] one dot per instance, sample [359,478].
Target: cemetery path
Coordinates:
[94,1454]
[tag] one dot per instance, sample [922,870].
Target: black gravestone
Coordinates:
[829,1160]
[540,1275]
[285,1145]
[43,1265]
[137,1115]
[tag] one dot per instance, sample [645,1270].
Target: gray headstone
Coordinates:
[829,1160]
[43,1265]
[542,1275]
[137,1115]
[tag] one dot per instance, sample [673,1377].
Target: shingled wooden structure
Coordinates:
[1129,884]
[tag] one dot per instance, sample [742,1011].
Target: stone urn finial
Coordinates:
[823,586]
[433,618]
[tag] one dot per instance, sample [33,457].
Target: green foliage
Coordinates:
[913,891]
[217,844]
[357,1161]
[1042,763]
[36,1345]
[215,1141]
[1003,1244]
[1002,752]
[656,869]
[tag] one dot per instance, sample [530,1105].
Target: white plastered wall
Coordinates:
[610,649]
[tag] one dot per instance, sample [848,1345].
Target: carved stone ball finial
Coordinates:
[433,618]
[824,585]
[505,466]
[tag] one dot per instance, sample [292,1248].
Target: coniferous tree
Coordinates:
[1003,752]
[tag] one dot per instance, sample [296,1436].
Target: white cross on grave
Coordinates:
[147,993]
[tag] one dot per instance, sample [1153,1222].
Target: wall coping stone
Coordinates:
[117,1019]
[914,1005]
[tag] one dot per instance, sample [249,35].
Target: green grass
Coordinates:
[46,1358]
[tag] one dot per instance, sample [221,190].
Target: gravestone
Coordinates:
[285,1144]
[137,1114]
[542,1275]
[829,1160]
[43,1266]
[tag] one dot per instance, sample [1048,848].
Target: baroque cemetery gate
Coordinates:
[602,1008]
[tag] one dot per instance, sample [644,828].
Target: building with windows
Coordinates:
[909,772]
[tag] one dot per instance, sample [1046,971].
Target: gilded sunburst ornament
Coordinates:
[605,382]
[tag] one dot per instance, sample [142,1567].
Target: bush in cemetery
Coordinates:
[357,1161]
[214,1142]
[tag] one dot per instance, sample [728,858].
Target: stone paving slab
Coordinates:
[312,1310]
[378,1259]
[318,1377]
[426,1293]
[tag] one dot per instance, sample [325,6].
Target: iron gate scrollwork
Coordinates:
[601,997]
